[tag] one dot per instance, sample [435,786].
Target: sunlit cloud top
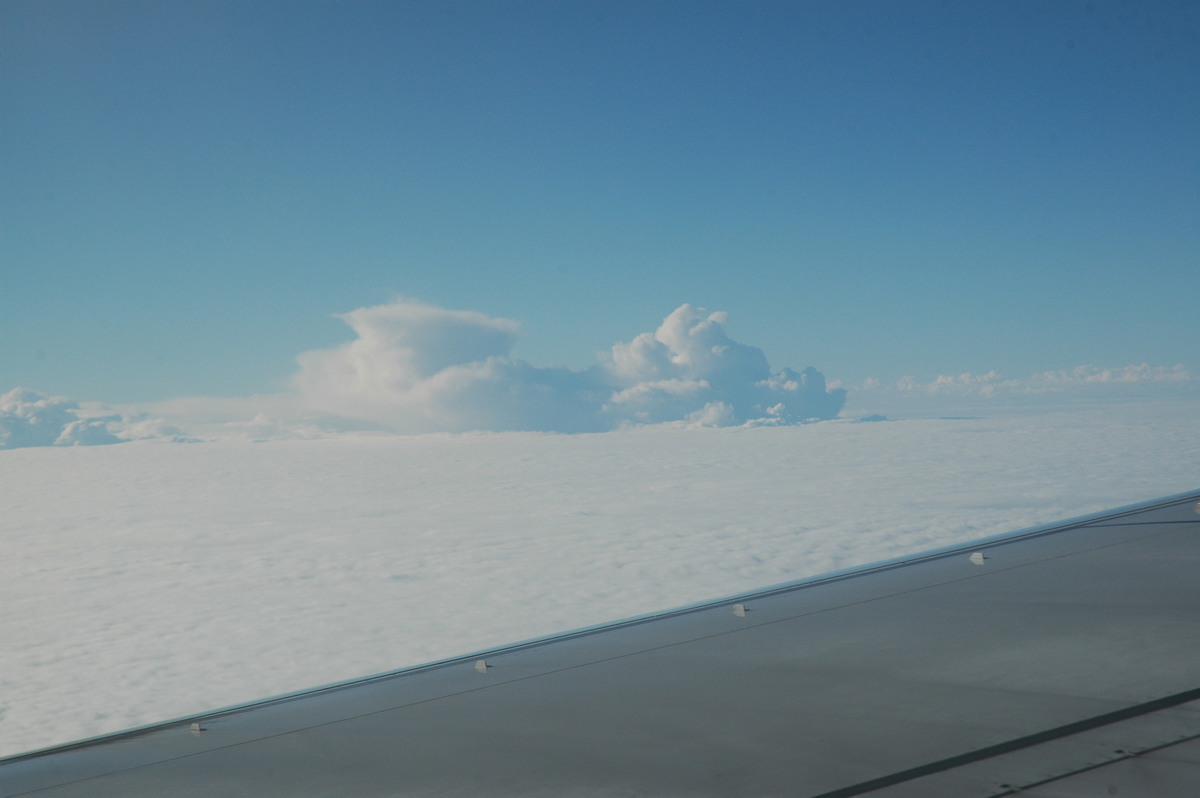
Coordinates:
[418,368]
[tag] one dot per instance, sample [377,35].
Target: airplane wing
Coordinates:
[1057,661]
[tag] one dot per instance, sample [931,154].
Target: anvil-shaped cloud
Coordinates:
[418,368]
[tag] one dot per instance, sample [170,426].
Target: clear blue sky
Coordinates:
[188,191]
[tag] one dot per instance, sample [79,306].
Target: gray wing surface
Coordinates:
[1057,661]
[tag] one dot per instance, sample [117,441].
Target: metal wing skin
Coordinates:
[1057,661]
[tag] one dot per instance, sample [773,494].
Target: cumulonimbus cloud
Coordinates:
[418,368]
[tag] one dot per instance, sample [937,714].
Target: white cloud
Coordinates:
[690,365]
[399,346]
[993,384]
[1093,375]
[690,344]
[969,392]
[30,419]
[418,368]
[713,414]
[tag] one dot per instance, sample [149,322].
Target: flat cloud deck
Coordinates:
[1058,661]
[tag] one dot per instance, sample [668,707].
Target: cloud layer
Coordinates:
[993,384]
[134,568]
[970,393]
[418,368]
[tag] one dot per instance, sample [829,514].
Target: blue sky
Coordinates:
[189,192]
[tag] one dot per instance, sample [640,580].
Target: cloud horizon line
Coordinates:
[417,368]
[992,383]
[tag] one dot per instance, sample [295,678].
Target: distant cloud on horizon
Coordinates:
[972,393]
[30,419]
[420,368]
[416,368]
[992,383]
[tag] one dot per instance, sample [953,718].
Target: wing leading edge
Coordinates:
[1057,661]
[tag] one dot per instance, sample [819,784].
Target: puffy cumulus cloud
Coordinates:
[30,419]
[689,368]
[690,344]
[418,368]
